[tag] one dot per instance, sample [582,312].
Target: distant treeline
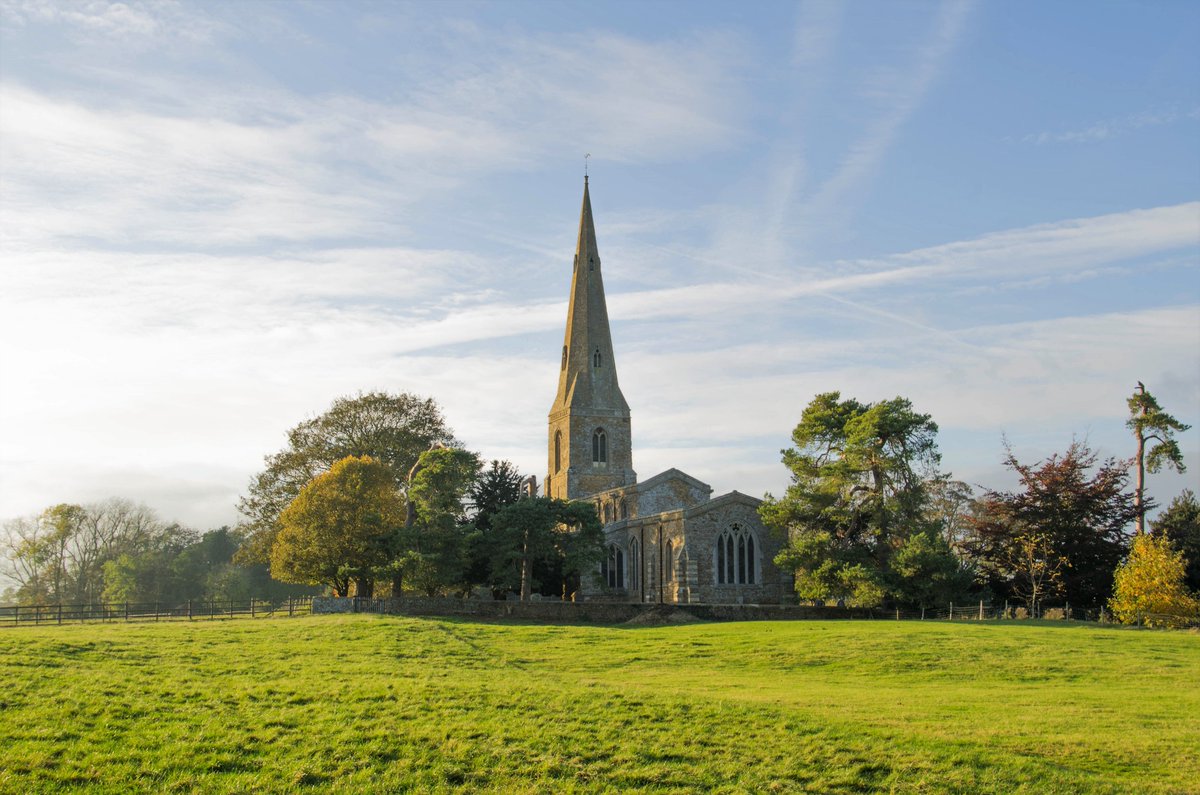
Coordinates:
[120,551]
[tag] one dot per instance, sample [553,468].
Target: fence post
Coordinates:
[60,612]
[156,611]
[16,615]
[1067,612]
[981,610]
[922,612]
[126,609]
[189,609]
[897,614]
[252,608]
[291,607]
[952,611]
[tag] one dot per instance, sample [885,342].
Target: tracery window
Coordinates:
[612,568]
[596,358]
[735,557]
[669,560]
[599,446]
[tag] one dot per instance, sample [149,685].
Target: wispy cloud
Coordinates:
[898,91]
[1115,127]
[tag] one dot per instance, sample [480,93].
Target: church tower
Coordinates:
[590,443]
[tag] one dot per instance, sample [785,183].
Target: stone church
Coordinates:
[668,539]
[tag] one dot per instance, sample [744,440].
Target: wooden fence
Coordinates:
[32,615]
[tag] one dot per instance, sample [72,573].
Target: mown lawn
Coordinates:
[385,704]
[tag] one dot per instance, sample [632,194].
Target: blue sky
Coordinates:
[215,218]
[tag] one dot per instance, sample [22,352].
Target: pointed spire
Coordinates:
[586,251]
[588,375]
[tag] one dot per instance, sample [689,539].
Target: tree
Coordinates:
[949,508]
[60,554]
[857,492]
[392,429]
[497,486]
[1150,424]
[429,549]
[1036,568]
[928,573]
[541,529]
[1150,587]
[1076,518]
[1180,524]
[336,529]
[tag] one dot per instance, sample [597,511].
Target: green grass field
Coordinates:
[384,704]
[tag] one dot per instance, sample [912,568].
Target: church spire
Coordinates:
[588,373]
[589,421]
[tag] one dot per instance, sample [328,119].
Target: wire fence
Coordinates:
[982,611]
[193,610]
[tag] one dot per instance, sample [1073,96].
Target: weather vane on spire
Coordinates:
[585,164]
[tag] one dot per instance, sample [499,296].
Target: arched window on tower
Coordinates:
[734,559]
[596,358]
[564,361]
[557,451]
[612,568]
[599,446]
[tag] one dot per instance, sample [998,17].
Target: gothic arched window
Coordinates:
[669,560]
[634,557]
[557,451]
[612,568]
[596,358]
[599,446]
[564,362]
[734,558]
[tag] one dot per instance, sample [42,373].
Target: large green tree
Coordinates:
[1065,524]
[393,429]
[567,537]
[1155,432]
[429,551]
[858,492]
[1179,523]
[497,486]
[336,530]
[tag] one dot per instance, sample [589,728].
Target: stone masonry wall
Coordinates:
[585,613]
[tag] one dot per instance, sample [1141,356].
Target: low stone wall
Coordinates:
[579,612]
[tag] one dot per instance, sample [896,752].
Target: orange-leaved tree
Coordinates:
[1149,587]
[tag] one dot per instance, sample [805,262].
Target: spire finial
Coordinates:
[585,165]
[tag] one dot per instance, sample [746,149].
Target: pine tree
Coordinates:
[1150,424]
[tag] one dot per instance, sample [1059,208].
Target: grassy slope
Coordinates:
[364,703]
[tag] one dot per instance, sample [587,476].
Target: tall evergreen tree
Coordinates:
[1154,427]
